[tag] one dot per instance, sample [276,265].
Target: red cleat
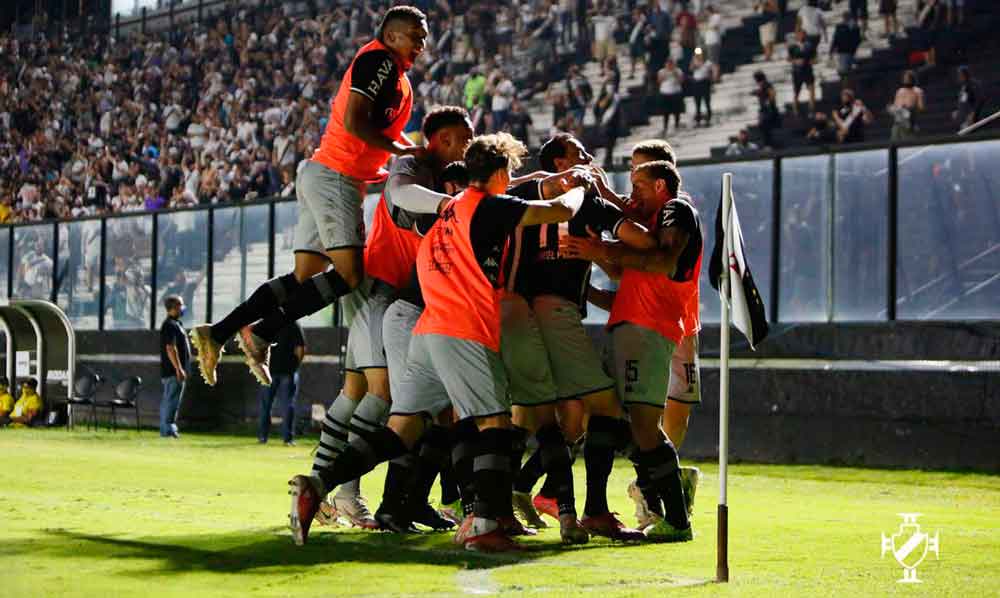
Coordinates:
[512,526]
[305,505]
[609,526]
[494,541]
[546,506]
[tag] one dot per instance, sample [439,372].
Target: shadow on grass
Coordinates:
[242,551]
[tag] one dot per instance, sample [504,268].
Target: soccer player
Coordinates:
[453,355]
[366,123]
[552,364]
[648,320]
[388,259]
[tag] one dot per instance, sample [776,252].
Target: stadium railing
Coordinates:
[867,233]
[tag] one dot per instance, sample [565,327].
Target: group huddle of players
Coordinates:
[466,336]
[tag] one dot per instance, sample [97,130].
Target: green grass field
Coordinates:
[104,514]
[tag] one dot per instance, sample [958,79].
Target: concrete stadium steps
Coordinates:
[732,105]
[227,273]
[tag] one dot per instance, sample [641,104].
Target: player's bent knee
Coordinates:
[409,428]
[493,421]
[378,383]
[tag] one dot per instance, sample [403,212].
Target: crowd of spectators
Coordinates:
[225,110]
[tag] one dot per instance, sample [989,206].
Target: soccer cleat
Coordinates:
[643,515]
[571,532]
[427,515]
[546,506]
[355,510]
[305,504]
[661,531]
[327,514]
[492,541]
[257,352]
[452,511]
[609,526]
[513,527]
[526,511]
[394,523]
[208,352]
[464,529]
[689,482]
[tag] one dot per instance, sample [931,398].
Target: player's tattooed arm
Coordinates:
[600,297]
[660,260]
[359,123]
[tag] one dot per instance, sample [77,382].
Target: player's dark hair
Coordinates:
[456,173]
[31,383]
[171,302]
[662,170]
[401,14]
[553,149]
[443,117]
[490,153]
[657,149]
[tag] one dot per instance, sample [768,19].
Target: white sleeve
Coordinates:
[412,197]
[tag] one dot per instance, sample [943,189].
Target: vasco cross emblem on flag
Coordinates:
[910,546]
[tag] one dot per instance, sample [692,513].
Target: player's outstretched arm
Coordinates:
[661,260]
[560,209]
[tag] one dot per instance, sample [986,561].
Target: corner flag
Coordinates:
[748,313]
[730,274]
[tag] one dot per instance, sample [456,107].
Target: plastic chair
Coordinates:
[85,393]
[126,397]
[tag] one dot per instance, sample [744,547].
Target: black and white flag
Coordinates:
[728,256]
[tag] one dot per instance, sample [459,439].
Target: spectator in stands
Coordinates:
[908,103]
[175,361]
[924,36]
[519,122]
[286,357]
[701,87]
[658,39]
[846,39]
[801,54]
[671,85]
[28,406]
[822,131]
[768,30]
[970,99]
[604,26]
[859,10]
[810,20]
[712,36]
[687,25]
[502,90]
[637,38]
[956,12]
[887,8]
[6,401]
[851,118]
[741,144]
[608,114]
[580,92]
[768,116]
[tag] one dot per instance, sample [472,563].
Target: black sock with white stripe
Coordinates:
[494,480]
[334,435]
[263,302]
[371,414]
[361,455]
[313,295]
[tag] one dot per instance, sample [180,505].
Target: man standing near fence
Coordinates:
[175,357]
[289,351]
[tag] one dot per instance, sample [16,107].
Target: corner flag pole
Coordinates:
[722,547]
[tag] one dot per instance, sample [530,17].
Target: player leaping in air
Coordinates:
[367,117]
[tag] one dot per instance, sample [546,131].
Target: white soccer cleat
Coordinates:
[644,517]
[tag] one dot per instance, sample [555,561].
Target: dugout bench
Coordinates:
[41,344]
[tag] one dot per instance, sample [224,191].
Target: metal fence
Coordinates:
[861,235]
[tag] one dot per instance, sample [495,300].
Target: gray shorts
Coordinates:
[685,377]
[364,337]
[524,354]
[575,363]
[444,371]
[397,329]
[641,371]
[330,215]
